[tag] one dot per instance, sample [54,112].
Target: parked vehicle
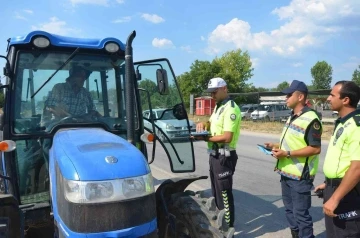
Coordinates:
[246,111]
[270,111]
[169,127]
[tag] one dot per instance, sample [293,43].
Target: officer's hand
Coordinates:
[200,127]
[330,206]
[269,144]
[320,187]
[277,153]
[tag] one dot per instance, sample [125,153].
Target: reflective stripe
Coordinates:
[292,176]
[220,151]
[226,206]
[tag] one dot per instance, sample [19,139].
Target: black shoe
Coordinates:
[294,234]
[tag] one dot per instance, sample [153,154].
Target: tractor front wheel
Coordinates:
[193,215]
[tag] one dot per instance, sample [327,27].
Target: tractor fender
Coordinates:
[175,185]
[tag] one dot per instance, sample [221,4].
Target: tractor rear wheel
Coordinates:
[195,216]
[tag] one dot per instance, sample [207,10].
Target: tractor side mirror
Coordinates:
[179,111]
[162,81]
[138,75]
[6,69]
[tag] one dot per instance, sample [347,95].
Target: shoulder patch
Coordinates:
[233,117]
[357,120]
[316,125]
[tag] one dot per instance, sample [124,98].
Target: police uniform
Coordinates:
[223,157]
[297,174]
[344,147]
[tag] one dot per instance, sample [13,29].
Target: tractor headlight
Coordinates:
[112,47]
[109,190]
[41,42]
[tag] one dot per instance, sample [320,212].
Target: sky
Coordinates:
[284,38]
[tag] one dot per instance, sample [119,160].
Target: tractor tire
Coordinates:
[196,217]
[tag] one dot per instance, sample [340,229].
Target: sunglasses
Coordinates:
[217,90]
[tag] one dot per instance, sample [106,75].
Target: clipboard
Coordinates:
[203,133]
[264,149]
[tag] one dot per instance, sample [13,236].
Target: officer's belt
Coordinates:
[334,182]
[220,151]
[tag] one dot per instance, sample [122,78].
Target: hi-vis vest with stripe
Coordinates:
[293,138]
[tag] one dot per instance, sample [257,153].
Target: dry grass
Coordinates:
[266,127]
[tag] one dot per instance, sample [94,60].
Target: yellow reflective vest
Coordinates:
[293,138]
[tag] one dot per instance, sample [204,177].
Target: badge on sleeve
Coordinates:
[233,117]
[316,125]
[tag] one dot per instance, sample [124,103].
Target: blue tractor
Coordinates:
[87,174]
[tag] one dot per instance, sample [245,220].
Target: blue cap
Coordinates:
[295,86]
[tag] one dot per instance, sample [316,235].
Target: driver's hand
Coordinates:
[58,111]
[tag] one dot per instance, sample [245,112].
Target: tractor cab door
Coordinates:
[164,115]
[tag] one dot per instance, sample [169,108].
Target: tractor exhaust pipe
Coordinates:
[129,85]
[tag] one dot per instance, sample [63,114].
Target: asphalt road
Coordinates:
[258,205]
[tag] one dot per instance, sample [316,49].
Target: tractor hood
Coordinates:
[95,154]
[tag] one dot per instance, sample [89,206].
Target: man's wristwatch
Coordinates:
[288,154]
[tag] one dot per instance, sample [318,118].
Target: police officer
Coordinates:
[342,165]
[297,159]
[224,126]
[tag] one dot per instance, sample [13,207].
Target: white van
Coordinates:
[271,111]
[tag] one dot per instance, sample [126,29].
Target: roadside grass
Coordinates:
[266,127]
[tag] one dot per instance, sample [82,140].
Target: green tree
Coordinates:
[282,86]
[195,81]
[233,66]
[356,76]
[321,73]
[236,69]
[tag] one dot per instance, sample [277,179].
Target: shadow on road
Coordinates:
[262,214]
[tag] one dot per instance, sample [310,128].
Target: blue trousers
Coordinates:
[297,201]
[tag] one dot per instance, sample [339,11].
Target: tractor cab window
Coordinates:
[88,89]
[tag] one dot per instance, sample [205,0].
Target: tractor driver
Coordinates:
[70,98]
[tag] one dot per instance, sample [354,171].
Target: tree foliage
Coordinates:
[321,73]
[282,86]
[234,67]
[158,100]
[356,76]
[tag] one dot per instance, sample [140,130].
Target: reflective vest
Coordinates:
[293,138]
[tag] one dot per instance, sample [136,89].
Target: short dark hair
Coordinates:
[351,90]
[303,93]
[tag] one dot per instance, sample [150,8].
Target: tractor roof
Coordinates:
[65,41]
